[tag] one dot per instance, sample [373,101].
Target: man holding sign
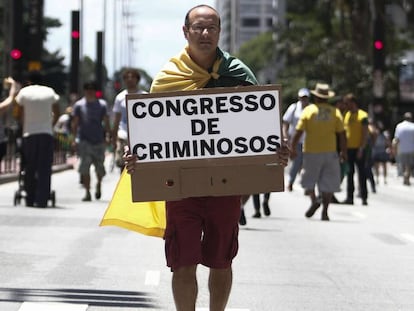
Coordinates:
[202,230]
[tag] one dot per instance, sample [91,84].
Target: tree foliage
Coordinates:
[330,41]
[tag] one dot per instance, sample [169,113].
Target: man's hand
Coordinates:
[130,160]
[283,153]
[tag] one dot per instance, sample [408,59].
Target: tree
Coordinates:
[329,41]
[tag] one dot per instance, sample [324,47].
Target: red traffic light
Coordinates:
[75,34]
[99,94]
[16,54]
[378,44]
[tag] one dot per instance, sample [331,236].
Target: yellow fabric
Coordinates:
[321,123]
[180,74]
[353,126]
[183,74]
[144,217]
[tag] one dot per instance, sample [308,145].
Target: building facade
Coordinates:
[242,20]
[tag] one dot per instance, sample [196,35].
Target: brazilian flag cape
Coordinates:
[181,73]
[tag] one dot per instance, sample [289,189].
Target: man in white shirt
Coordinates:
[403,146]
[40,111]
[290,119]
[131,78]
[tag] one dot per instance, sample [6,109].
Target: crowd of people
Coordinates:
[333,138]
[84,129]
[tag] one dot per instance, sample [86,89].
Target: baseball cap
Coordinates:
[303,92]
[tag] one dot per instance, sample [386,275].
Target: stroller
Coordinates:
[20,193]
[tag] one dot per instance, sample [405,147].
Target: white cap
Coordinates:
[303,92]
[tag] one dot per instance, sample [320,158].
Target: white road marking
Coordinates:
[52,306]
[152,278]
[359,215]
[408,237]
[231,309]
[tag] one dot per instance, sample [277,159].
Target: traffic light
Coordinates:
[16,54]
[379,45]
[75,51]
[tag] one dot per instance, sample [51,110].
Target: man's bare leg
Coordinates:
[184,286]
[326,199]
[219,284]
[86,182]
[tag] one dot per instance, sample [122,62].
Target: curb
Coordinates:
[11,177]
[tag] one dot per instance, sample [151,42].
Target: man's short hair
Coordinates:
[35,77]
[351,97]
[133,71]
[187,16]
[90,85]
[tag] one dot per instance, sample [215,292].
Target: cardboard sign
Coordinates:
[219,141]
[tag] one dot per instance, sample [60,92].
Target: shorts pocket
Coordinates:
[235,243]
[171,247]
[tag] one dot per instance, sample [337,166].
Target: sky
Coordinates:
[153,28]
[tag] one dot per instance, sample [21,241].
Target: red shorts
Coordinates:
[202,230]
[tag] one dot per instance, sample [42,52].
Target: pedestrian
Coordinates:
[369,160]
[63,132]
[131,78]
[403,146]
[381,151]
[39,113]
[290,120]
[202,230]
[4,108]
[91,129]
[357,132]
[256,205]
[321,122]
[339,103]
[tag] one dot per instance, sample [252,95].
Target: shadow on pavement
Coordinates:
[101,298]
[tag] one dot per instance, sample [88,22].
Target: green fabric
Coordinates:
[232,72]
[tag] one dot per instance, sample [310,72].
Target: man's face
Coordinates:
[351,105]
[304,100]
[203,32]
[130,80]
[90,93]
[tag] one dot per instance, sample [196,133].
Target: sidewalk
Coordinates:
[11,177]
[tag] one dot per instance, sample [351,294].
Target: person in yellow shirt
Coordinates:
[356,128]
[322,123]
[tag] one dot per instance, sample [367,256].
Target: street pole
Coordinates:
[378,60]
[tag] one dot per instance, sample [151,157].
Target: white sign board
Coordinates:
[209,123]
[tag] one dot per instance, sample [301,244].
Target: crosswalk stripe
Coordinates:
[152,278]
[52,306]
[408,237]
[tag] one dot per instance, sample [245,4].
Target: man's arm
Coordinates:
[342,146]
[107,128]
[295,141]
[117,120]
[364,136]
[4,105]
[285,130]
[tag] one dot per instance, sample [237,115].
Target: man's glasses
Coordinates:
[198,29]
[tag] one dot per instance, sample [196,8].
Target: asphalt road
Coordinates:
[363,259]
